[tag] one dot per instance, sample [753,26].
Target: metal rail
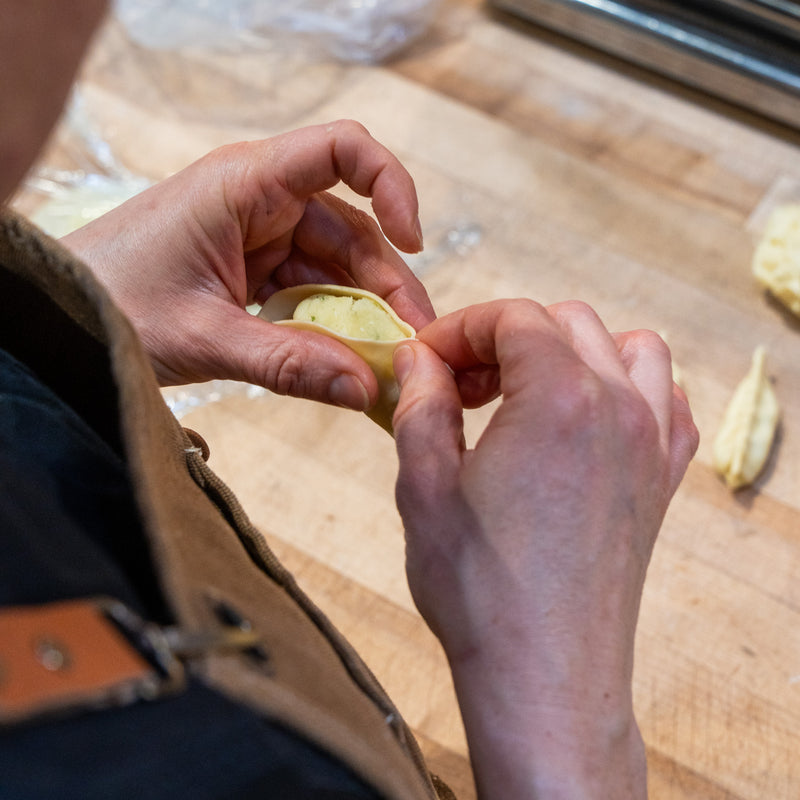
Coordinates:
[737,51]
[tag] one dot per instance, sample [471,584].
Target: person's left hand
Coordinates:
[184,258]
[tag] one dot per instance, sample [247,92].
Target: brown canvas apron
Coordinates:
[207,554]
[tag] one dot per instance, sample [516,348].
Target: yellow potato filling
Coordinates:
[359,318]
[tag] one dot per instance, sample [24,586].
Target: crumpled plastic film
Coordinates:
[350,30]
[94,182]
[182,400]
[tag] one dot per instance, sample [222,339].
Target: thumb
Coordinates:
[304,364]
[240,346]
[428,427]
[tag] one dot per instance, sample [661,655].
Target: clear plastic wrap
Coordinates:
[365,31]
[91,181]
[182,400]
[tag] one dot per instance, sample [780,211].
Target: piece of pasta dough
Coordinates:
[363,321]
[744,440]
[776,260]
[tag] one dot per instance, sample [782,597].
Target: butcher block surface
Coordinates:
[547,171]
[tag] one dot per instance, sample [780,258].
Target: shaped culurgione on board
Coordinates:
[744,440]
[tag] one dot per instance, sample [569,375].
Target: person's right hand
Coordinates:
[527,554]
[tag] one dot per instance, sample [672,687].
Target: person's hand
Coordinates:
[527,554]
[184,258]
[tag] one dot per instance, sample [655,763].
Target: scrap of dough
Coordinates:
[745,437]
[776,260]
[361,318]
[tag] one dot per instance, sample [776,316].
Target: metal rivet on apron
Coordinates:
[52,655]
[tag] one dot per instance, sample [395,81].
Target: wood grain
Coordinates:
[544,171]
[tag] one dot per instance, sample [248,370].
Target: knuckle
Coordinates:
[225,157]
[284,371]
[523,306]
[583,400]
[362,227]
[425,412]
[651,341]
[576,307]
[515,315]
[346,127]
[572,309]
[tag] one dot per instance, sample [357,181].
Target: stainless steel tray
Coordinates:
[745,51]
[780,16]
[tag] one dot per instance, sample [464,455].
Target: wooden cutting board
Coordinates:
[548,172]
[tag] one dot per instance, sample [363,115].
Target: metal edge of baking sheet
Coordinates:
[780,15]
[758,79]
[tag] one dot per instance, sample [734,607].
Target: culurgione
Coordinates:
[776,261]
[744,440]
[363,321]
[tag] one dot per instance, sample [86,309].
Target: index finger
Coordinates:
[487,333]
[498,334]
[318,157]
[530,343]
[334,233]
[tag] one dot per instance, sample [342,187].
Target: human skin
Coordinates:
[192,252]
[527,554]
[42,43]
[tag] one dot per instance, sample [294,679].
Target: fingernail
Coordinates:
[348,391]
[418,232]
[403,362]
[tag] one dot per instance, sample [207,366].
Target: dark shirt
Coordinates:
[69,527]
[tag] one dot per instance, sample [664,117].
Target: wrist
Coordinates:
[581,758]
[575,739]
